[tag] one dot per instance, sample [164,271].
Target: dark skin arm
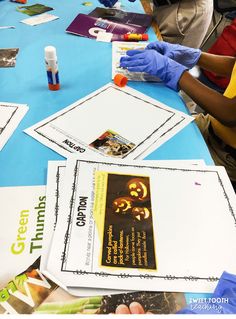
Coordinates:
[219,106]
[219,64]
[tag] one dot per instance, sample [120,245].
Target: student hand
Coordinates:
[154,63]
[134,308]
[179,53]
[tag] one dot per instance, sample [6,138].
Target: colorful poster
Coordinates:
[31,292]
[21,228]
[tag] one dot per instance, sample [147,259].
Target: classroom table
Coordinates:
[84,66]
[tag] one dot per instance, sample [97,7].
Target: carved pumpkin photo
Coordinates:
[138,189]
[122,205]
[141,213]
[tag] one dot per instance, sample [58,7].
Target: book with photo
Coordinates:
[122,17]
[89,26]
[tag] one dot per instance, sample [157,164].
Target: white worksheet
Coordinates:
[10,116]
[54,195]
[21,229]
[39,19]
[119,50]
[113,122]
[166,238]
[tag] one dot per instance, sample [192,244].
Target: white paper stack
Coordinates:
[149,225]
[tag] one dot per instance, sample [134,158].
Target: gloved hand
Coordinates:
[108,3]
[154,63]
[179,53]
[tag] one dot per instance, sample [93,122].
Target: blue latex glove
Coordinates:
[223,300]
[108,3]
[179,53]
[152,62]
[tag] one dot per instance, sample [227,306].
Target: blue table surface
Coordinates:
[84,66]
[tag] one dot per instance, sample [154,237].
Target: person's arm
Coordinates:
[214,103]
[219,64]
[176,76]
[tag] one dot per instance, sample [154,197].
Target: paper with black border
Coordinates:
[55,181]
[191,266]
[10,116]
[72,129]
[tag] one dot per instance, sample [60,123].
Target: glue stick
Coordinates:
[52,68]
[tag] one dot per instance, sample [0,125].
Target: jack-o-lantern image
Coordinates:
[122,205]
[141,213]
[138,189]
